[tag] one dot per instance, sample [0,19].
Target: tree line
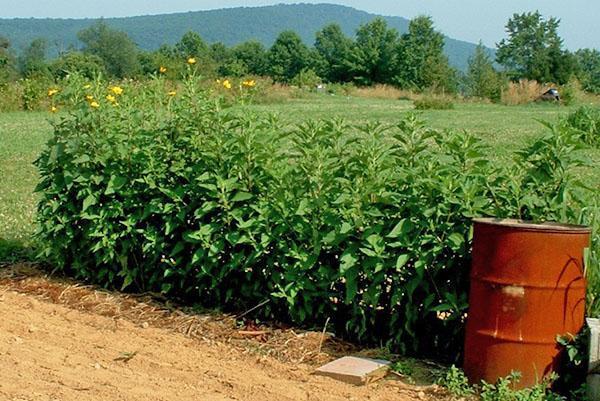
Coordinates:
[377,54]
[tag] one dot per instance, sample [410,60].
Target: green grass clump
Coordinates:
[433,103]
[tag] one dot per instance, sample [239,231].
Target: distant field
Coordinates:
[498,125]
[504,128]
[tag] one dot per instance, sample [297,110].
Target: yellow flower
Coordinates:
[172,93]
[89,98]
[87,86]
[249,83]
[227,84]
[94,104]
[162,69]
[111,98]
[52,92]
[191,60]
[53,109]
[117,90]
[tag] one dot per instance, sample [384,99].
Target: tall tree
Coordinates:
[533,49]
[88,65]
[374,57]
[253,55]
[115,48]
[32,60]
[422,63]
[7,61]
[287,57]
[191,44]
[482,80]
[226,63]
[588,69]
[334,49]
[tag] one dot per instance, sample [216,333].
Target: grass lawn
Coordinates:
[22,136]
[504,128]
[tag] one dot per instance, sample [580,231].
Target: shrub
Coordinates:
[307,78]
[86,65]
[271,92]
[12,95]
[368,226]
[585,121]
[341,89]
[570,92]
[433,103]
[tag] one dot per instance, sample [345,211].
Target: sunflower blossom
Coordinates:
[117,90]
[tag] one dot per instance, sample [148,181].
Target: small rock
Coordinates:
[144,325]
[355,370]
[97,365]
[421,395]
[18,340]
[32,329]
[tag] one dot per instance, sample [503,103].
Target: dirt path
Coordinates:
[50,351]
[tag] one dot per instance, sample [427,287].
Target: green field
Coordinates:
[504,128]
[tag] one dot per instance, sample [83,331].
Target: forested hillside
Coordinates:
[230,26]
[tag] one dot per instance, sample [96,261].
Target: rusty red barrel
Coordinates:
[527,287]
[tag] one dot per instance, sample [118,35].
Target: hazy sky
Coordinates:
[470,20]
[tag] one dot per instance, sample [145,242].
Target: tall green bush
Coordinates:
[369,226]
[585,123]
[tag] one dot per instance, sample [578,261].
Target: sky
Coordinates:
[470,20]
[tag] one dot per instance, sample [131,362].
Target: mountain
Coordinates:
[230,26]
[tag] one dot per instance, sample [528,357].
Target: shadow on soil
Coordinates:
[13,251]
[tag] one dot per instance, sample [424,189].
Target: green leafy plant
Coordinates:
[456,382]
[433,103]
[503,390]
[585,122]
[150,189]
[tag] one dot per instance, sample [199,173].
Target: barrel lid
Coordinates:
[549,226]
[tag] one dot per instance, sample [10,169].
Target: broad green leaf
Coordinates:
[399,229]
[401,261]
[347,260]
[114,184]
[456,240]
[241,196]
[90,200]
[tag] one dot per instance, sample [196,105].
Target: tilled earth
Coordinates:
[60,341]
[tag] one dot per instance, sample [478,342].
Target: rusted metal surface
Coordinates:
[527,287]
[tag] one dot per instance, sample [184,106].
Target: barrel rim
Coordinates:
[548,226]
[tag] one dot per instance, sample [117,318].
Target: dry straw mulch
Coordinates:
[285,344]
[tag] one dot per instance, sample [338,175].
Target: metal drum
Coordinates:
[527,287]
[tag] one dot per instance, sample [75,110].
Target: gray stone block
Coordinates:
[594,352]
[355,370]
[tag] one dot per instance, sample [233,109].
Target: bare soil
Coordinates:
[60,341]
